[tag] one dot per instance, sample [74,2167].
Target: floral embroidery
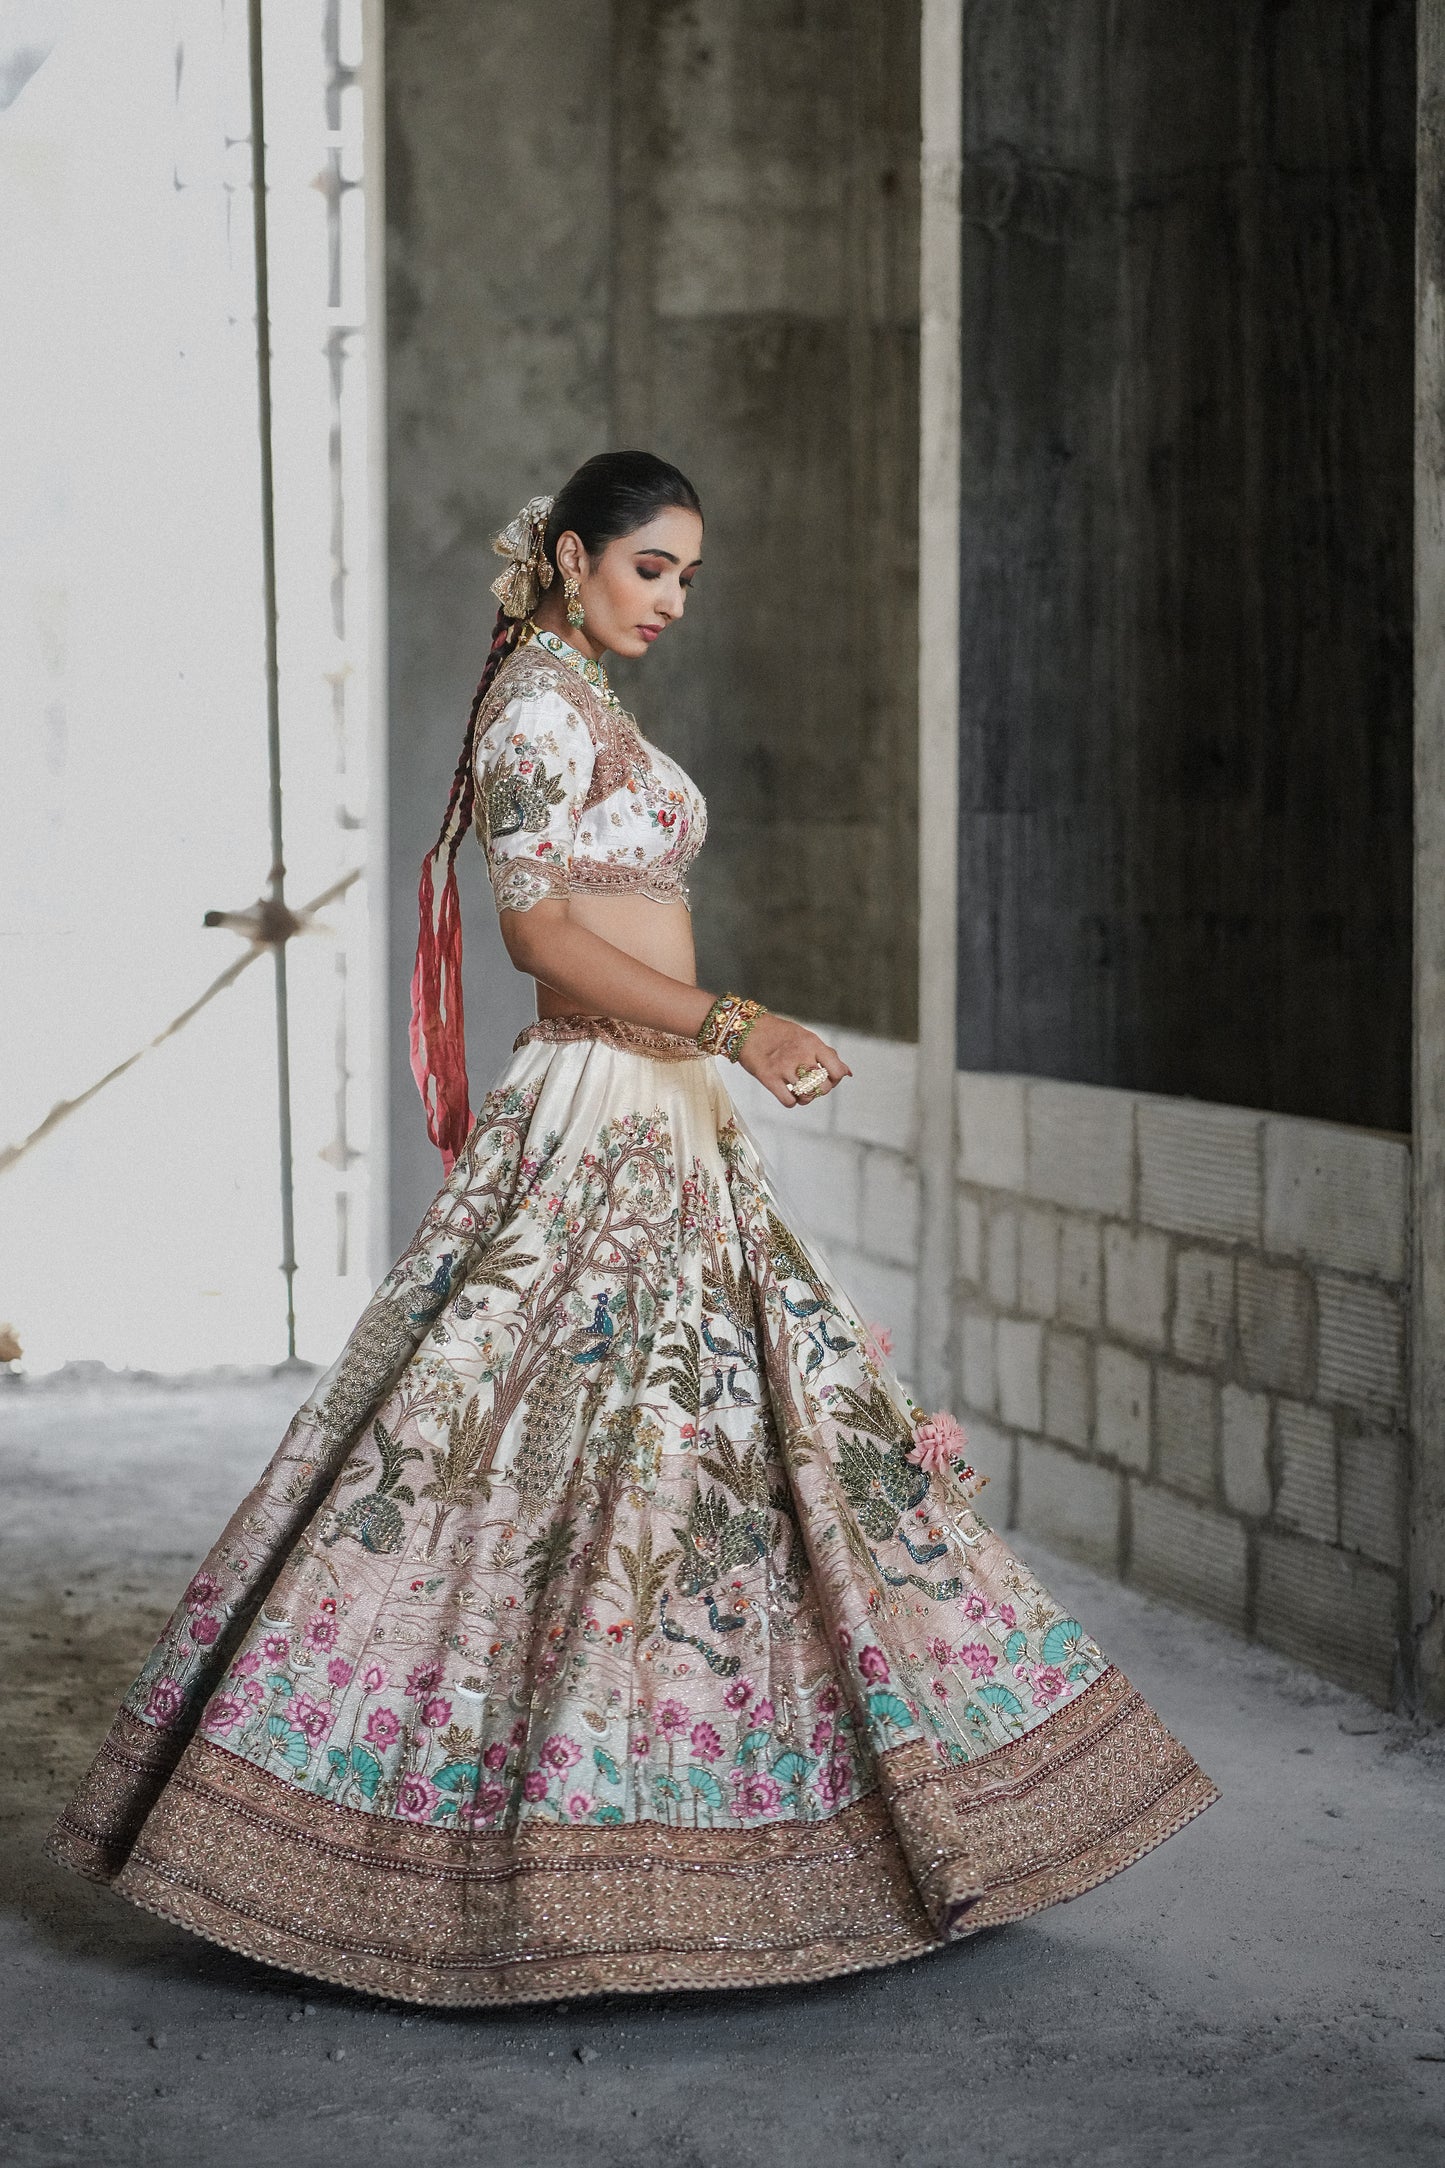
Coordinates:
[602,1395]
[570,796]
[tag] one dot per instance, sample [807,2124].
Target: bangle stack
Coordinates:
[727,1024]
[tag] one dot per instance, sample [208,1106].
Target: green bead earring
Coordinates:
[572,588]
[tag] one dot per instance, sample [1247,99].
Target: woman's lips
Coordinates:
[649,632]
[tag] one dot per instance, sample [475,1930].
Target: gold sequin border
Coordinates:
[552,1911]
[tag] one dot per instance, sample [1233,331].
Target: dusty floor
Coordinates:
[1268,1987]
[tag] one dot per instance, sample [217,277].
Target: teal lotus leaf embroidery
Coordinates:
[457,1776]
[793,1767]
[1014,1647]
[1062,1642]
[999,1697]
[886,1708]
[367,1770]
[606,1766]
[706,1786]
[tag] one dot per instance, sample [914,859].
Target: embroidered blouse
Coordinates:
[571,798]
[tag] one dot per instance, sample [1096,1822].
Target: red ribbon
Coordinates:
[438,1027]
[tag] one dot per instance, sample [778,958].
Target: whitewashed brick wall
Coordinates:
[1181,1331]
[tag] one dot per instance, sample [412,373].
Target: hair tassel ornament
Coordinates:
[520,588]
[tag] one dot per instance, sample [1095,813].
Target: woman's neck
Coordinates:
[550,615]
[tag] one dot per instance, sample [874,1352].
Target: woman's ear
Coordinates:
[571,557]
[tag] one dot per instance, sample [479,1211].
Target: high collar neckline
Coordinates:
[593,672]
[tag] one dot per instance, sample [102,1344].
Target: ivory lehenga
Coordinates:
[593,1628]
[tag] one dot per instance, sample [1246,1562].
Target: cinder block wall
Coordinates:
[1181,1332]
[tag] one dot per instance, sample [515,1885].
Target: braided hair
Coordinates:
[609,496]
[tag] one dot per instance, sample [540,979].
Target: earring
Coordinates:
[572,589]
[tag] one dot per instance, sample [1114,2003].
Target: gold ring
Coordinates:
[811,1080]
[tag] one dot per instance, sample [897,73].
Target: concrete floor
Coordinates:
[1267,1987]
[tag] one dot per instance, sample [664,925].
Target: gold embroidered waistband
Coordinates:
[612,1031]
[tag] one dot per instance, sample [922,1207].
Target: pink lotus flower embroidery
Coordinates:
[671,1719]
[519,1732]
[254,1692]
[321,1632]
[1049,1682]
[245,1665]
[383,1728]
[874,1664]
[763,1714]
[560,1753]
[941,1651]
[205,1629]
[830,1698]
[436,1712]
[834,1780]
[938,1440]
[980,1660]
[641,1745]
[415,1798]
[374,1678]
[489,1802]
[822,1736]
[204,1589]
[1005,1614]
[313,1718]
[534,1785]
[738,1695]
[755,1794]
[495,1757]
[974,1605]
[166,1701]
[423,1679]
[706,1744]
[223,1714]
[579,1806]
[275,1648]
[882,1339]
[339,1671]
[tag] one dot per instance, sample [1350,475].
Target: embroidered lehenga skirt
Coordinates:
[592,1628]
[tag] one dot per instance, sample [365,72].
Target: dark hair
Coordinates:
[612,495]
[609,496]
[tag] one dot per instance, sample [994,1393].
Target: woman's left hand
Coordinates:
[778,1052]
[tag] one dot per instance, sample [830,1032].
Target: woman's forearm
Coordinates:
[584,967]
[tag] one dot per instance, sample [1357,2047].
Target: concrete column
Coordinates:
[378,868]
[1426,1641]
[938,591]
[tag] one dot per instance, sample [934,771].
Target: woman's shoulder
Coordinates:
[529,673]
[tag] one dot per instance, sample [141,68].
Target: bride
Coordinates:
[610,1618]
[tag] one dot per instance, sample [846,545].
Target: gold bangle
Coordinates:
[727,1024]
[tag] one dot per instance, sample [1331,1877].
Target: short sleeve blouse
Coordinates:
[534,768]
[570,797]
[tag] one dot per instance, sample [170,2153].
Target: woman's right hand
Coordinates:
[777,1050]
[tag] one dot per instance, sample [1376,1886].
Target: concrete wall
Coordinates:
[693,228]
[1185,848]
[1181,1333]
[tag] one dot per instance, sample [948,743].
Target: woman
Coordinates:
[610,1618]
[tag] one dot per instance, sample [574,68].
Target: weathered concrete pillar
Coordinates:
[1426,1647]
[938,591]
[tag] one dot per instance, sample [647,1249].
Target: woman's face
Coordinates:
[637,586]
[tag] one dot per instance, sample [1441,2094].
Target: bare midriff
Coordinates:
[659,934]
